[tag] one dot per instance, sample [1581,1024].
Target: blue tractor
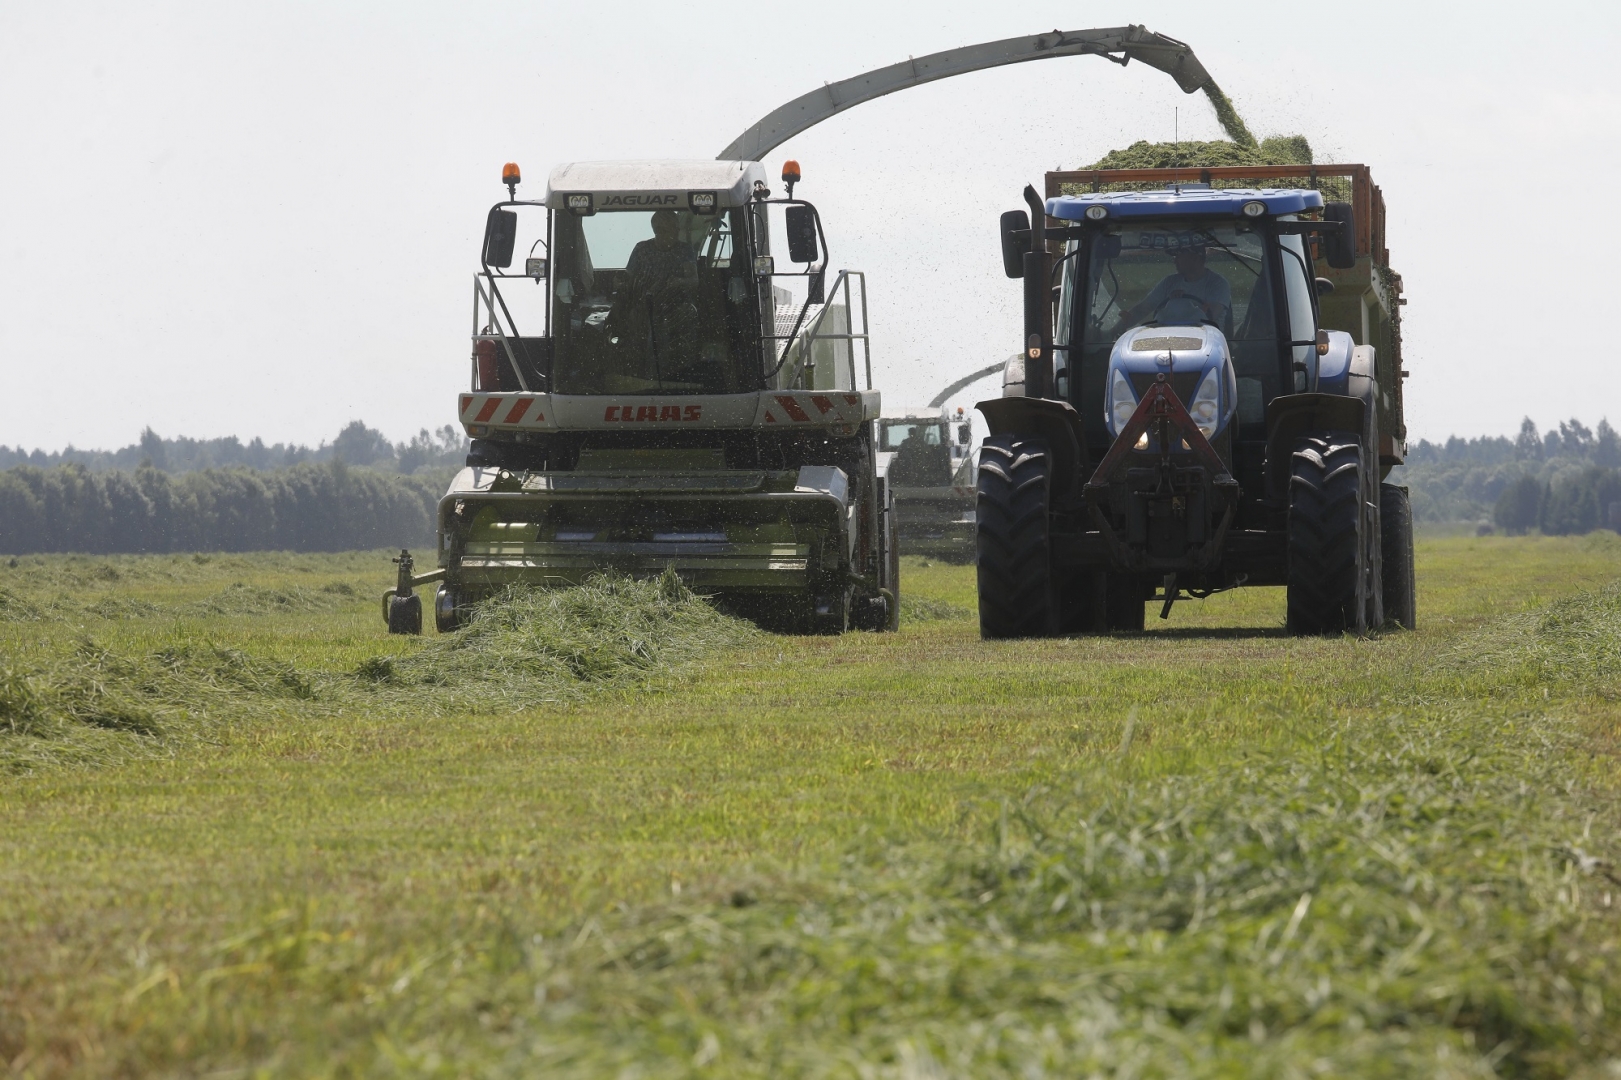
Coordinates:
[1209,396]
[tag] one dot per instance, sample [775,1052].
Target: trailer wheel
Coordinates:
[1396,548]
[1328,574]
[405,614]
[1017,593]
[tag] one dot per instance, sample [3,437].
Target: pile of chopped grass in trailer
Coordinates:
[1281,150]
[1239,148]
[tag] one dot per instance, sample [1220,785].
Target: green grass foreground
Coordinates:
[243,832]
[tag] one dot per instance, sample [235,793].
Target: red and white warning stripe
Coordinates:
[801,407]
[504,410]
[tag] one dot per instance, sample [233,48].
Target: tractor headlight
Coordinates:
[1206,406]
[1122,402]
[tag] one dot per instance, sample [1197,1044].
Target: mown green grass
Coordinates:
[1208,850]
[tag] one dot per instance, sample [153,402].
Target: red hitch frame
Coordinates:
[1161,411]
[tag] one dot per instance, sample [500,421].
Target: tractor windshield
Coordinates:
[1171,273]
[653,302]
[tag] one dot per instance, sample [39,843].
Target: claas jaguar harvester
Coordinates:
[1209,396]
[665,374]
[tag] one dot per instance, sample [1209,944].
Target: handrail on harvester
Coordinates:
[1121,44]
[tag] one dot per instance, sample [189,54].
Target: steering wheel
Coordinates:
[1180,295]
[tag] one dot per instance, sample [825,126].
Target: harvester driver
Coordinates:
[1194,294]
[655,306]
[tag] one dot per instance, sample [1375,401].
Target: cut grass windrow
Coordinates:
[522,649]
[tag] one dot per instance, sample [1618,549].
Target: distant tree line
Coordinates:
[307,507]
[1560,482]
[356,444]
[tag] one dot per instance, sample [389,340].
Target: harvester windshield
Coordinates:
[648,302]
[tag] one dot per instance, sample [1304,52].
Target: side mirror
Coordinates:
[1014,245]
[801,222]
[1324,286]
[535,268]
[500,234]
[817,288]
[1339,245]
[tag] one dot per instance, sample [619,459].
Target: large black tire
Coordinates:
[1396,548]
[1328,575]
[405,614]
[1017,594]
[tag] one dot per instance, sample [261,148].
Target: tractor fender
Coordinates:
[1290,416]
[1056,422]
[1348,369]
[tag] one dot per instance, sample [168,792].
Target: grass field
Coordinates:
[244,832]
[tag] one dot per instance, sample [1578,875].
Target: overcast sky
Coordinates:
[263,219]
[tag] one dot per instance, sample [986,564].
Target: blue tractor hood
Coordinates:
[1196,199]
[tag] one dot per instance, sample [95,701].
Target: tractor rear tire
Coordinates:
[1396,549]
[1018,597]
[405,614]
[1328,576]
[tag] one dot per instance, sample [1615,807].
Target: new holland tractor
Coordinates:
[664,374]
[1201,404]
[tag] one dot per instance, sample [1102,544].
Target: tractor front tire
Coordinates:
[1018,597]
[1396,548]
[1328,576]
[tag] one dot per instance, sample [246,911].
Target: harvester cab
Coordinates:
[926,455]
[1191,413]
[665,373]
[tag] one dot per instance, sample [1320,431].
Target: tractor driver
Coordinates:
[1193,295]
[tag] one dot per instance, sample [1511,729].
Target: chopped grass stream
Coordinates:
[609,832]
